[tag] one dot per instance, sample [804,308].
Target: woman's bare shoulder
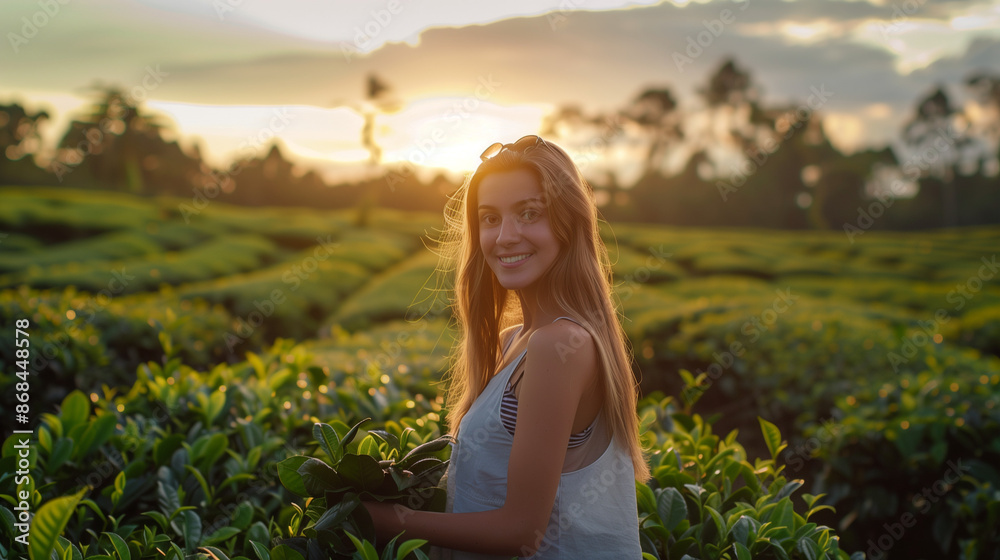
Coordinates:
[566,343]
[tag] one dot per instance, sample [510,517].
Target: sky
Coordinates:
[230,75]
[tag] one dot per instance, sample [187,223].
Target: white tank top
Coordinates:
[594,515]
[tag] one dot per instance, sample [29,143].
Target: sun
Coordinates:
[450,132]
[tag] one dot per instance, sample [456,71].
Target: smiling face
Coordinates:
[514,230]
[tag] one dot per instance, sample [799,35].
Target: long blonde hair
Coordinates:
[483,307]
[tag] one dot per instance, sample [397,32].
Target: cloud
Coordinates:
[584,52]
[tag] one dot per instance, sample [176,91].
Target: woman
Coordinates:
[547,451]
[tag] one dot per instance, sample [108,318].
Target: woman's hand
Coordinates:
[388,518]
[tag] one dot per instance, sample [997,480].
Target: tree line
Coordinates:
[742,164]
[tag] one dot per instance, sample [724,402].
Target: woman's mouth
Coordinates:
[515,260]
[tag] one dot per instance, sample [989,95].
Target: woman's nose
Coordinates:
[510,231]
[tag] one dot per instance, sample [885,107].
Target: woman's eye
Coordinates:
[488,219]
[529,215]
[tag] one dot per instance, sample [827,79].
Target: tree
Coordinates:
[379,98]
[19,139]
[734,118]
[937,135]
[655,112]
[985,123]
[111,142]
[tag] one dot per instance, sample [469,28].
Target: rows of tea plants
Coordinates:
[270,458]
[81,340]
[877,356]
[277,272]
[884,383]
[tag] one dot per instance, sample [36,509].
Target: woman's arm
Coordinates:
[553,384]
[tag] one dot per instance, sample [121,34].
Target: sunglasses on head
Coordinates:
[522,145]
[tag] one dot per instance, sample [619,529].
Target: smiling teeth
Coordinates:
[514,259]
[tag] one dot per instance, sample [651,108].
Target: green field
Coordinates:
[877,359]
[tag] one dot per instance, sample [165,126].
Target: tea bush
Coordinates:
[83,340]
[184,460]
[873,413]
[707,501]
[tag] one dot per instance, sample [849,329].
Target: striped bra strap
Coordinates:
[508,405]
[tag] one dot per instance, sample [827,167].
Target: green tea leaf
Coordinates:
[772,437]
[160,519]
[645,497]
[261,550]
[221,535]
[741,531]
[49,523]
[164,448]
[362,471]
[98,431]
[369,446]
[74,411]
[214,448]
[365,548]
[288,474]
[327,438]
[349,436]
[720,523]
[285,552]
[258,366]
[337,513]
[216,402]
[61,453]
[671,508]
[318,477]
[201,481]
[790,487]
[166,490]
[408,547]
[119,545]
[387,437]
[427,449]
[808,549]
[242,516]
[214,552]
[191,529]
